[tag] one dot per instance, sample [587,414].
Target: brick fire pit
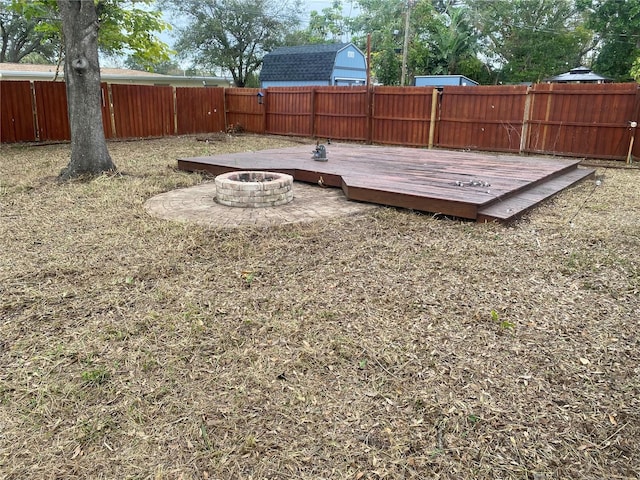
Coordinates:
[254,189]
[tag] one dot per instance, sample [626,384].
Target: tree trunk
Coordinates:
[89,153]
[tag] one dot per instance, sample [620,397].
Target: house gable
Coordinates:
[350,66]
[312,65]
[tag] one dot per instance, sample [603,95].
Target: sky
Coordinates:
[349,9]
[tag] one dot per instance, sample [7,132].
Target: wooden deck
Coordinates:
[476,186]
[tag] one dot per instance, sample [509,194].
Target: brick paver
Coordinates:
[197,204]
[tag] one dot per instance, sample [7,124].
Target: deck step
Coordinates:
[506,209]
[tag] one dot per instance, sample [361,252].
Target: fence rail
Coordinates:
[591,121]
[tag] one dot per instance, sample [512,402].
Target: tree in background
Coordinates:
[493,41]
[329,25]
[617,26]
[233,34]
[635,70]
[441,38]
[445,40]
[130,28]
[20,36]
[383,21]
[528,40]
[126,27]
[163,67]
[386,65]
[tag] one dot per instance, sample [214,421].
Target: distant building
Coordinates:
[579,74]
[440,81]
[23,71]
[333,64]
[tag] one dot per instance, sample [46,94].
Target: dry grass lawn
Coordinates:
[381,346]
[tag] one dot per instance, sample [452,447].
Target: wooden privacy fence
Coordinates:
[583,120]
[199,110]
[404,116]
[17,122]
[591,121]
[37,111]
[483,118]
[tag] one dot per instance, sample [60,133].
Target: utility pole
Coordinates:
[405,47]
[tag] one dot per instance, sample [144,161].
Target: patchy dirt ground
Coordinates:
[385,345]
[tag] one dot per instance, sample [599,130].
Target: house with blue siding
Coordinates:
[333,64]
[440,81]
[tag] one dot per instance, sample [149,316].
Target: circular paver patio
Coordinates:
[197,204]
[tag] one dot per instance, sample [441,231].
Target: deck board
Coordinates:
[437,181]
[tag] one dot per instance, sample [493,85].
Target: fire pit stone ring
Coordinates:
[250,189]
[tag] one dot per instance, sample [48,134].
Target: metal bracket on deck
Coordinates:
[472,183]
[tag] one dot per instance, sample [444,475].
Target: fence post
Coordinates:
[370,99]
[112,115]
[175,110]
[432,122]
[264,107]
[224,108]
[313,112]
[34,111]
[524,136]
[632,129]
[545,129]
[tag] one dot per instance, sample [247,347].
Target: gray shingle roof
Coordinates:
[302,63]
